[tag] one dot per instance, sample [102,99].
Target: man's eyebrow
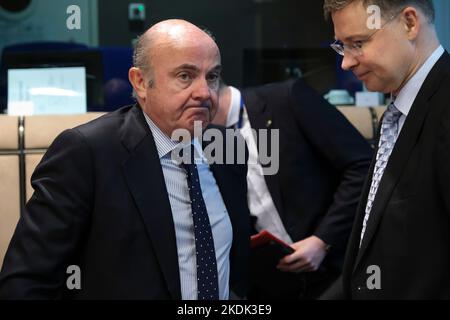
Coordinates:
[351,38]
[192,67]
[217,68]
[187,66]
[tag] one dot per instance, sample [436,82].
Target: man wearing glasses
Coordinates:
[399,247]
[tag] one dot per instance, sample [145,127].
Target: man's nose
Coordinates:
[202,91]
[349,61]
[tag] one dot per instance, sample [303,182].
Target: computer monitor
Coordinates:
[37,91]
[65,68]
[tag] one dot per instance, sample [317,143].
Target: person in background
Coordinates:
[310,203]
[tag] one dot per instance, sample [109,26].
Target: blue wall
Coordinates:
[443,21]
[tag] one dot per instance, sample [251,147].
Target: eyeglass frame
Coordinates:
[357,46]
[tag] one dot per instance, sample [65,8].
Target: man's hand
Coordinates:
[308,256]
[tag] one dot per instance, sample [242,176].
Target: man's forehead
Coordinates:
[188,49]
[188,59]
[177,45]
[187,46]
[350,22]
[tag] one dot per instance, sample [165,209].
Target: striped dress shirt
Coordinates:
[180,203]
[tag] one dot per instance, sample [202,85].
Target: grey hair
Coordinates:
[141,47]
[141,60]
[209,33]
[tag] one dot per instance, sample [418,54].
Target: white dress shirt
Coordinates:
[180,203]
[260,201]
[405,99]
[407,95]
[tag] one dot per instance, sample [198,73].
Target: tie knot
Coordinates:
[189,155]
[392,114]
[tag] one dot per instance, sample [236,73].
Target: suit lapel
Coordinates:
[145,180]
[231,182]
[261,118]
[405,144]
[226,183]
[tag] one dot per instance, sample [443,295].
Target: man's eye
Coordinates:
[358,44]
[213,77]
[184,76]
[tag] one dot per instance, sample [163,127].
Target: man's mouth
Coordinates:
[362,75]
[199,112]
[202,106]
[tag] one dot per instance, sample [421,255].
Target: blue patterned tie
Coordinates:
[207,279]
[389,133]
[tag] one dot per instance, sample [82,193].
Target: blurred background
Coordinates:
[84,48]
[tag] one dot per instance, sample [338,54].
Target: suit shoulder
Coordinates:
[86,134]
[107,120]
[107,127]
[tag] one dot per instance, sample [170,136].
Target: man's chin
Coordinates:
[374,87]
[201,120]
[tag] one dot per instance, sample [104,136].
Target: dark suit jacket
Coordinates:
[323,162]
[100,202]
[408,232]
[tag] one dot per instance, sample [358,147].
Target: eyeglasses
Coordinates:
[356,48]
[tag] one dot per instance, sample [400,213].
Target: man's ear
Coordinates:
[412,21]
[138,82]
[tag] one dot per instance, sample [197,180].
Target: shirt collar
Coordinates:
[199,151]
[408,93]
[165,145]
[235,105]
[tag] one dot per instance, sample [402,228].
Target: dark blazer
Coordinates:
[100,202]
[408,232]
[323,162]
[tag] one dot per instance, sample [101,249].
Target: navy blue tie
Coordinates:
[207,279]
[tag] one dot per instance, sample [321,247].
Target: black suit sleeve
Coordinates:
[51,229]
[330,133]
